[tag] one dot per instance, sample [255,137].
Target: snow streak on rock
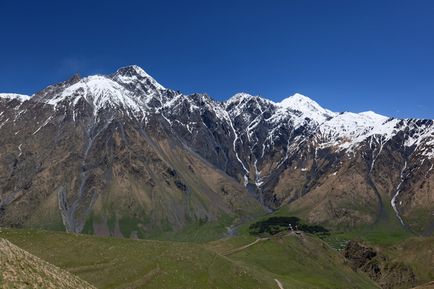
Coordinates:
[398,190]
[257,126]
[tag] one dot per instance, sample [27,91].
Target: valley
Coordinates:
[294,259]
[301,262]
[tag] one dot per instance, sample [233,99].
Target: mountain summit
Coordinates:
[307,107]
[134,74]
[122,155]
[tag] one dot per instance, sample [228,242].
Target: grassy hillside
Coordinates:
[387,231]
[20,269]
[297,261]
[390,239]
[418,253]
[292,261]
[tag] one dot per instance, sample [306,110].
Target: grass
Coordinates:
[19,269]
[418,253]
[388,231]
[196,257]
[297,262]
[198,232]
[388,236]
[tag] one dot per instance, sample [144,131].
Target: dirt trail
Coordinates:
[230,252]
[279,284]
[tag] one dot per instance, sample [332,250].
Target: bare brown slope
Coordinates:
[108,176]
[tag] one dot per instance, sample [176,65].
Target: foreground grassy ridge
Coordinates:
[297,262]
[19,269]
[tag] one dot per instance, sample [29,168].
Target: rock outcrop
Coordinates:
[379,268]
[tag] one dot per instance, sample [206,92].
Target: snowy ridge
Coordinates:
[348,129]
[130,88]
[99,91]
[10,96]
[342,131]
[423,137]
[238,103]
[255,121]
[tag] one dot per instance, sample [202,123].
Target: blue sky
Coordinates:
[347,55]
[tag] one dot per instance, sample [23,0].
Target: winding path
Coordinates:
[279,284]
[230,252]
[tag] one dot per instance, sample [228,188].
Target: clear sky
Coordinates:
[348,55]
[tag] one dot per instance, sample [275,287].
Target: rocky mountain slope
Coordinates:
[122,155]
[386,273]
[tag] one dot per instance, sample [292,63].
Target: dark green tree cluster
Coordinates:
[274,225]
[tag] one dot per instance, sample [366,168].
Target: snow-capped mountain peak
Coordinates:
[134,92]
[308,107]
[131,70]
[303,103]
[374,116]
[133,74]
[238,98]
[129,87]
[125,126]
[242,98]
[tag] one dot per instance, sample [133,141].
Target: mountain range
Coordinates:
[122,155]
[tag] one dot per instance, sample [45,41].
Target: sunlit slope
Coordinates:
[20,269]
[293,261]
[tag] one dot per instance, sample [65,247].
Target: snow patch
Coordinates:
[10,96]
[348,129]
[19,148]
[398,190]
